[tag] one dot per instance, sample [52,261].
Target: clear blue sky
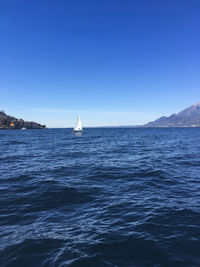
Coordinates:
[114,62]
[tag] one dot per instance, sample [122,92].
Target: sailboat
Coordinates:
[78,130]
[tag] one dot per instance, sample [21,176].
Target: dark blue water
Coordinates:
[113,197]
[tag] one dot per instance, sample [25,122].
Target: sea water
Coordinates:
[112,197]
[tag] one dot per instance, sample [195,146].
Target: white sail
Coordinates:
[78,125]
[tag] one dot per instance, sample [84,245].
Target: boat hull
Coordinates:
[77,133]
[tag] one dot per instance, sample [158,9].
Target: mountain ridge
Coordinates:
[189,117]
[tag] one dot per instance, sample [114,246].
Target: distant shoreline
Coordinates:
[105,127]
[8,122]
[22,129]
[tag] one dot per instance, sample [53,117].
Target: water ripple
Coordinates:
[113,197]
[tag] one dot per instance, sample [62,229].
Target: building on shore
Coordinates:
[9,122]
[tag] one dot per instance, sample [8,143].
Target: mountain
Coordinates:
[189,117]
[10,122]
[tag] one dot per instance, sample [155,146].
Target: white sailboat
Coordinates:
[78,130]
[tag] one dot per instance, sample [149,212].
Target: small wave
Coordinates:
[131,251]
[31,253]
[50,198]
[16,143]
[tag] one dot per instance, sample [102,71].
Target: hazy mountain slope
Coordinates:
[189,117]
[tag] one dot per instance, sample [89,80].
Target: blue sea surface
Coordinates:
[112,197]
